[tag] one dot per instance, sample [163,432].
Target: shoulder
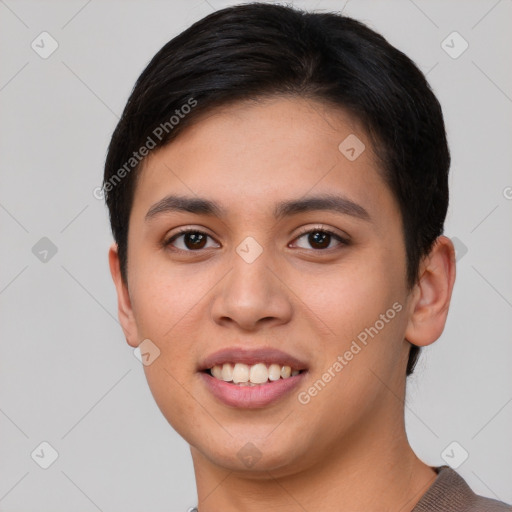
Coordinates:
[451,493]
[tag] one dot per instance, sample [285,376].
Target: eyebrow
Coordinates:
[202,206]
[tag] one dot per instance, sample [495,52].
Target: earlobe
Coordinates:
[432,294]
[124,306]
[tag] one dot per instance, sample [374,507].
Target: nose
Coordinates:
[252,295]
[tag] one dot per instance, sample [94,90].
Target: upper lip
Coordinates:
[251,356]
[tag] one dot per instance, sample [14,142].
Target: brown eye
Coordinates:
[320,239]
[188,240]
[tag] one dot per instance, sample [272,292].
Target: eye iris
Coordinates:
[319,238]
[197,240]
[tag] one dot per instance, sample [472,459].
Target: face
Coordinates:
[271,275]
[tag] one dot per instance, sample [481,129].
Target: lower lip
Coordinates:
[250,397]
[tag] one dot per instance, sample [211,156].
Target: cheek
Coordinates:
[166,380]
[360,320]
[359,314]
[166,303]
[350,296]
[165,297]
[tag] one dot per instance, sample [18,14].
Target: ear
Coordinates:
[432,294]
[124,306]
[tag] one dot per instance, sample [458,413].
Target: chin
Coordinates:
[255,456]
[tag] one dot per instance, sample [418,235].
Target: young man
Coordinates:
[277,188]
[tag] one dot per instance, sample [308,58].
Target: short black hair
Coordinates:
[256,50]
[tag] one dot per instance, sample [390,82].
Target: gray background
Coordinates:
[67,375]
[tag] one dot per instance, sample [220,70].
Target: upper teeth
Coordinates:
[255,374]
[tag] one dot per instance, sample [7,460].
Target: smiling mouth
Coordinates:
[252,375]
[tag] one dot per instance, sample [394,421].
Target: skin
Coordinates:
[347,448]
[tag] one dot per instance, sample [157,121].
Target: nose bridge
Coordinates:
[251,290]
[251,278]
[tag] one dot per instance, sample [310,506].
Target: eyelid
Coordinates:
[320,227]
[190,229]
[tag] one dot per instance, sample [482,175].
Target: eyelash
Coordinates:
[305,231]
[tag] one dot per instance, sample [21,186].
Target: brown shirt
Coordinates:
[451,493]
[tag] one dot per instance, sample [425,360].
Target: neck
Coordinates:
[371,469]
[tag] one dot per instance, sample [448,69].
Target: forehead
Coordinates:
[249,154]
